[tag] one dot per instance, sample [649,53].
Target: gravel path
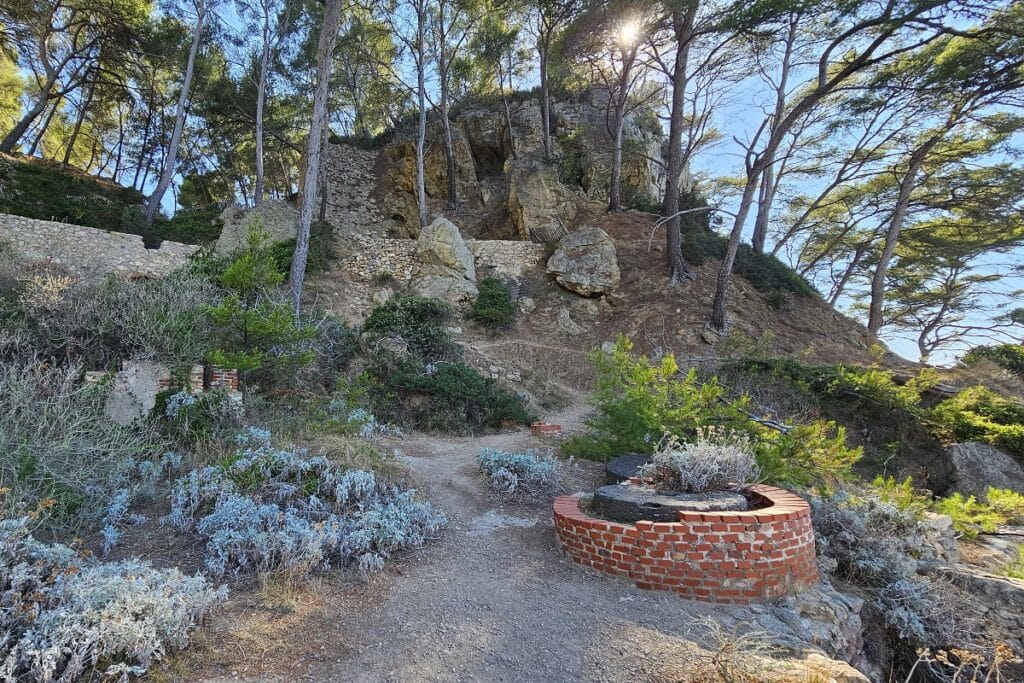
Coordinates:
[494,600]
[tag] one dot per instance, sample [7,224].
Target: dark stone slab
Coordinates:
[625,466]
[632,503]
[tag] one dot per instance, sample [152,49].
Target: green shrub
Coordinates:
[99,324]
[190,419]
[256,328]
[493,308]
[902,494]
[970,516]
[418,321]
[321,250]
[637,403]
[197,226]
[1007,356]
[1007,504]
[765,272]
[979,414]
[445,396]
[35,188]
[1015,569]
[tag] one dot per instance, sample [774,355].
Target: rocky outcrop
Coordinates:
[977,466]
[442,251]
[540,207]
[447,270]
[586,262]
[279,219]
[134,390]
[506,188]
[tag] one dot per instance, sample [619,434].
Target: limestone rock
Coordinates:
[442,251]
[539,206]
[279,219]
[457,291]
[567,325]
[586,262]
[977,466]
[133,391]
[527,305]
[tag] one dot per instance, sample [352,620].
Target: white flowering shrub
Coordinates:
[529,473]
[717,460]
[64,616]
[267,509]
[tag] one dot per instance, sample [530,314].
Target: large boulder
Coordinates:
[447,269]
[540,207]
[442,251]
[977,466]
[279,220]
[586,262]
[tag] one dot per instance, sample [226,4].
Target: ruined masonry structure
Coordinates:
[723,557]
[89,251]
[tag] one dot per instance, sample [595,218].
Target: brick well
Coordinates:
[724,557]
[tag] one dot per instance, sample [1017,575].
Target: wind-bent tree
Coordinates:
[948,85]
[318,120]
[862,37]
[201,7]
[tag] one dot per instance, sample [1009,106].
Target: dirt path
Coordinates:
[492,600]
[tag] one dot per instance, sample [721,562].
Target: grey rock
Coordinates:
[442,251]
[455,290]
[279,219]
[977,466]
[567,325]
[586,262]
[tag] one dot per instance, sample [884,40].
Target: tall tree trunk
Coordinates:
[769,183]
[167,174]
[46,124]
[677,267]
[10,140]
[261,94]
[724,282]
[618,122]
[421,97]
[86,103]
[545,101]
[892,234]
[851,268]
[318,120]
[446,125]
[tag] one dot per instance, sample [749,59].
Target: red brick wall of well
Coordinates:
[724,557]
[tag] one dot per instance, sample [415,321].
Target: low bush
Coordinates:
[265,509]
[68,616]
[637,403]
[1007,504]
[59,451]
[1015,568]
[874,544]
[979,414]
[493,308]
[190,419]
[1009,357]
[529,473]
[198,226]
[321,250]
[970,516]
[716,460]
[764,272]
[419,322]
[443,396]
[101,323]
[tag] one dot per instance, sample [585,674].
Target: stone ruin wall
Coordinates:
[90,252]
[397,258]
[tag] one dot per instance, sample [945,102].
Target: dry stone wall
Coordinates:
[91,252]
[397,258]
